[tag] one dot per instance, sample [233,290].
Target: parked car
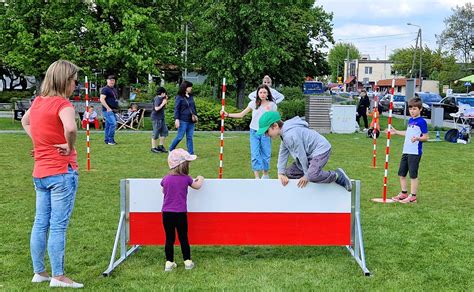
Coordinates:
[398,103]
[428,99]
[450,104]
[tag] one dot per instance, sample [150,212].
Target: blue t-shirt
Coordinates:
[416,128]
[175,190]
[111,97]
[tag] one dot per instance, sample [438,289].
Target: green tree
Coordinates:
[458,36]
[244,41]
[336,58]
[436,65]
[127,39]
[36,33]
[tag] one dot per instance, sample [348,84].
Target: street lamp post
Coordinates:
[421,50]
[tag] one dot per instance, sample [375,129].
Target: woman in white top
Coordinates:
[260,145]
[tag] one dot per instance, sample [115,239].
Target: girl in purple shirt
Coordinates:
[174,211]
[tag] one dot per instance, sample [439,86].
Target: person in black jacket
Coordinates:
[185,116]
[363,109]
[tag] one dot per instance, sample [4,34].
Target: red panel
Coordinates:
[248,229]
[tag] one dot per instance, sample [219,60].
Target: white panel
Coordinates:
[246,195]
[343,119]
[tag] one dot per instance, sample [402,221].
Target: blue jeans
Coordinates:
[260,151]
[55,197]
[184,128]
[110,125]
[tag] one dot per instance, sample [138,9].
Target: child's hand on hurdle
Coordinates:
[283,178]
[303,182]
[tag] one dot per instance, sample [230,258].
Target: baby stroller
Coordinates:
[461,119]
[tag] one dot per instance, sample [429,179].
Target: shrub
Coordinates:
[209,116]
[291,108]
[10,96]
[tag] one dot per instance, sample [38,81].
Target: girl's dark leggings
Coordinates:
[173,221]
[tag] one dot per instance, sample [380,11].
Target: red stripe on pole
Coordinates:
[86,83]
[248,229]
[222,128]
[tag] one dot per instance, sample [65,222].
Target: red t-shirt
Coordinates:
[46,131]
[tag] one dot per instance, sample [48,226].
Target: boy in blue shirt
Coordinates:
[415,134]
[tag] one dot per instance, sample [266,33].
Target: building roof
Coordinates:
[398,82]
[375,61]
[349,80]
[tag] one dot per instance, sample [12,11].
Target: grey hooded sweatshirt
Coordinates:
[302,143]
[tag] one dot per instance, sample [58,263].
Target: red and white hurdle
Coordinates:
[244,212]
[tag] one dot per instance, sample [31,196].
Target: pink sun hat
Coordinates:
[178,156]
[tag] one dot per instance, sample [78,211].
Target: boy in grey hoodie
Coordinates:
[309,149]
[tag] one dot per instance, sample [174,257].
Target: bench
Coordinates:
[244,212]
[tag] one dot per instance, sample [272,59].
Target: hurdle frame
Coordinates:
[356,249]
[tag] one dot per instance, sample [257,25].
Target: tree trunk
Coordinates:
[240,92]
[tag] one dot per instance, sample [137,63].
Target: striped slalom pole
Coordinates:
[88,143]
[222,127]
[387,150]
[374,131]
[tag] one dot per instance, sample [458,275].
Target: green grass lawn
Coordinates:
[426,246]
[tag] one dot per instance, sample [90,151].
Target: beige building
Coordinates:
[363,73]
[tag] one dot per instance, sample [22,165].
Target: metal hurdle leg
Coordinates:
[120,236]
[357,247]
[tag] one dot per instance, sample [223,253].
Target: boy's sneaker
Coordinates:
[408,200]
[400,196]
[343,180]
[162,149]
[169,266]
[155,150]
[265,177]
[188,264]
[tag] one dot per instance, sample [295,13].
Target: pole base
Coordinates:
[380,200]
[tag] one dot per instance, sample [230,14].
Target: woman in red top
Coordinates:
[50,122]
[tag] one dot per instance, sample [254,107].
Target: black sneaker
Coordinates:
[343,180]
[155,150]
[162,149]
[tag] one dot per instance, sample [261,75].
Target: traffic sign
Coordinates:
[467,83]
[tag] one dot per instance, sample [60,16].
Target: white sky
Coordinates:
[362,22]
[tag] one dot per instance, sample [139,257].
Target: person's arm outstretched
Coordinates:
[197,183]
[237,115]
[396,132]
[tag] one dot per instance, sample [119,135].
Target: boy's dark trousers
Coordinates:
[173,221]
[316,173]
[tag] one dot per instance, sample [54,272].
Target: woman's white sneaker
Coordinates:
[37,278]
[56,283]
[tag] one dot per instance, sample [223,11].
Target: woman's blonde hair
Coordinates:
[57,78]
[181,169]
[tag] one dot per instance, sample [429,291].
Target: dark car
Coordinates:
[398,103]
[428,99]
[450,104]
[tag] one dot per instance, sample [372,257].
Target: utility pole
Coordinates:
[186,53]
[421,51]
